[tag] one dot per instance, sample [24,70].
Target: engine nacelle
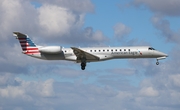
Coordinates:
[51,49]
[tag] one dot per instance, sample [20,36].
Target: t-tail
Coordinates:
[28,46]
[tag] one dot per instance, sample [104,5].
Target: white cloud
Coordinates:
[24,88]
[79,6]
[56,20]
[50,94]
[121,30]
[12,92]
[175,79]
[16,15]
[165,7]
[149,91]
[161,9]
[164,27]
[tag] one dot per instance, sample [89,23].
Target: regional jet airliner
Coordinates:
[85,55]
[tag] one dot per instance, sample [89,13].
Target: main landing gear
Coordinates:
[83,65]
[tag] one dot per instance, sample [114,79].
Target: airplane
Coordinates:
[85,55]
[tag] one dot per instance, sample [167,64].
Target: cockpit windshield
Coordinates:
[150,48]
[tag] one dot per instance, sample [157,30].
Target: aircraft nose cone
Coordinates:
[166,55]
[161,54]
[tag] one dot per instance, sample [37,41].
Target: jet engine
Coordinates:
[51,49]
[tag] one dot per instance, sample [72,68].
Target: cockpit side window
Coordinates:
[150,48]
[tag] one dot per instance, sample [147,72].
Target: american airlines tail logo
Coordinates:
[27,44]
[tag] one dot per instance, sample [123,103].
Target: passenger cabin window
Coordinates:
[103,50]
[112,50]
[99,50]
[94,50]
[124,49]
[108,50]
[116,49]
[90,50]
[120,49]
[129,50]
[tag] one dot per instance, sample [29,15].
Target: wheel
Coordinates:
[157,63]
[83,68]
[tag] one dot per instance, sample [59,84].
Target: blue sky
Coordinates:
[29,83]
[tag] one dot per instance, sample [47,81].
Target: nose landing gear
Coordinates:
[157,63]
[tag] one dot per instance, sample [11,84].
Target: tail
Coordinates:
[28,46]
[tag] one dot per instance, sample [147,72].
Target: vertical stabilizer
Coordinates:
[27,45]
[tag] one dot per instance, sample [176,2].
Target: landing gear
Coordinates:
[83,65]
[157,63]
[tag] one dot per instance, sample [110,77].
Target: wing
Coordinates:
[81,54]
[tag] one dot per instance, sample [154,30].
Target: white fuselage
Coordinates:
[104,53]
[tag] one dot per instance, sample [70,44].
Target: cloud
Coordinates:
[50,94]
[121,30]
[164,27]
[16,16]
[164,7]
[79,6]
[149,91]
[161,9]
[175,80]
[55,20]
[50,22]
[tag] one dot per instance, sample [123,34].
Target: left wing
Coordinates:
[81,54]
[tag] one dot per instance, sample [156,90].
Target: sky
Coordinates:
[27,83]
